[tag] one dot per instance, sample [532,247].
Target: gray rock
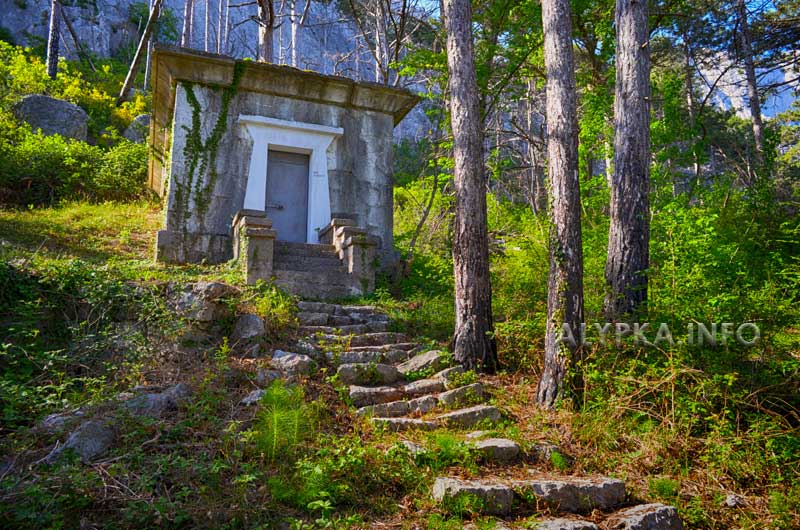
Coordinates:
[366,395]
[576,495]
[498,449]
[469,417]
[90,440]
[157,404]
[200,302]
[139,129]
[433,360]
[461,395]
[293,363]
[393,409]
[646,517]
[448,373]
[339,320]
[265,378]
[403,424]
[565,524]
[58,421]
[733,501]
[53,116]
[354,357]
[365,374]
[543,451]
[474,435]
[377,339]
[253,397]
[213,291]
[424,386]
[496,499]
[414,449]
[316,307]
[312,319]
[248,327]
[422,404]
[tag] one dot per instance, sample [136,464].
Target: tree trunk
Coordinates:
[266,26]
[294,27]
[149,57]
[629,234]
[380,43]
[690,104]
[473,341]
[752,84]
[53,38]
[140,51]
[188,23]
[565,281]
[220,18]
[206,26]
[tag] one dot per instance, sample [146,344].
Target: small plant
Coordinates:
[664,488]
[559,461]
[283,422]
[467,378]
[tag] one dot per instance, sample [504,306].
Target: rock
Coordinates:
[139,129]
[365,374]
[731,501]
[403,424]
[293,363]
[496,499]
[565,524]
[424,386]
[575,495]
[316,307]
[91,439]
[496,526]
[498,449]
[199,302]
[448,373]
[392,409]
[354,357]
[213,291]
[469,417]
[460,395]
[474,435]
[377,339]
[433,360]
[543,451]
[422,404]
[156,404]
[265,378]
[414,449]
[58,421]
[339,320]
[366,395]
[248,327]
[253,397]
[53,116]
[646,517]
[312,319]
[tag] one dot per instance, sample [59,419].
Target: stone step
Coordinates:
[405,346]
[292,262]
[423,387]
[433,360]
[288,248]
[566,494]
[395,409]
[470,417]
[462,395]
[349,329]
[322,277]
[317,307]
[646,517]
[366,357]
[368,374]
[403,424]
[362,396]
[378,339]
[500,450]
[417,397]
[320,291]
[564,524]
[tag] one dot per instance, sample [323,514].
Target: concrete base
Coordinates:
[176,247]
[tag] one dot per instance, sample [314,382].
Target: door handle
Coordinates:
[274,206]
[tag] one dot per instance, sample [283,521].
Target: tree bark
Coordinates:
[473,341]
[53,38]
[629,234]
[220,17]
[266,26]
[565,281]
[752,84]
[140,51]
[188,23]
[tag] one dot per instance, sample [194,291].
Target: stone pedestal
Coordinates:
[253,242]
[356,248]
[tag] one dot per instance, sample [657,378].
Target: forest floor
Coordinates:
[73,278]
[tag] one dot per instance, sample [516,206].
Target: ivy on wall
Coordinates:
[200,156]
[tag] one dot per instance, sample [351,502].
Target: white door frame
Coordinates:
[297,137]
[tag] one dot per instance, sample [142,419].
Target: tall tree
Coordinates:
[629,233]
[53,38]
[141,51]
[266,28]
[565,281]
[746,47]
[473,341]
[188,23]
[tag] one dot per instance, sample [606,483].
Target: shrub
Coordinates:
[123,175]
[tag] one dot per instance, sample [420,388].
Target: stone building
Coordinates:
[287,171]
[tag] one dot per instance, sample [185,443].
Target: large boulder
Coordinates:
[157,404]
[53,116]
[90,440]
[139,129]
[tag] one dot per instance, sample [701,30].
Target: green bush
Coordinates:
[123,175]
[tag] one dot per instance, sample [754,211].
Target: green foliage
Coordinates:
[284,421]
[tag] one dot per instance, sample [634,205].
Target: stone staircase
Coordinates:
[311,271]
[400,385]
